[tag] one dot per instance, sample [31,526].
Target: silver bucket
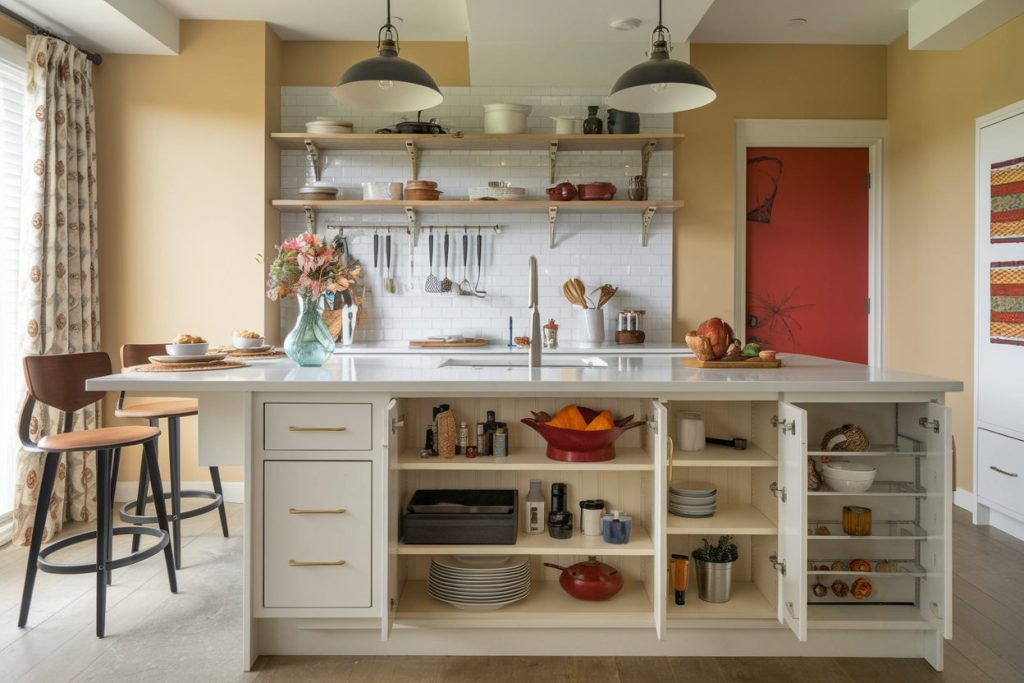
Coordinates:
[714,581]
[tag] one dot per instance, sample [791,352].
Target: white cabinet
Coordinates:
[318,427]
[1001,472]
[791,491]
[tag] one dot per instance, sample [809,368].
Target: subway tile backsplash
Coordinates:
[596,248]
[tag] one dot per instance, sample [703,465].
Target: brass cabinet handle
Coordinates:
[671,456]
[1009,474]
[325,563]
[316,511]
[293,428]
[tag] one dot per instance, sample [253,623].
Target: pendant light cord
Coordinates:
[388,31]
[658,34]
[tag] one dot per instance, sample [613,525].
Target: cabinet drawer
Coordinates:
[999,459]
[317,542]
[317,426]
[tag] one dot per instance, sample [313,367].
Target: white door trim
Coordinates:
[870,134]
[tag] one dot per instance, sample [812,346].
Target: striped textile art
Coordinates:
[1008,201]
[1007,291]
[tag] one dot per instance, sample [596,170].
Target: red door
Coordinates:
[807,251]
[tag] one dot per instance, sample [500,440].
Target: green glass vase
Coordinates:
[309,343]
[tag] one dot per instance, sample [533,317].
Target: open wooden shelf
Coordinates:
[906,489]
[471,206]
[867,617]
[715,455]
[548,606]
[731,518]
[480,141]
[531,459]
[542,544]
[746,602]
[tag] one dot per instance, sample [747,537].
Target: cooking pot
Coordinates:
[562,192]
[596,191]
[590,580]
[623,121]
[417,127]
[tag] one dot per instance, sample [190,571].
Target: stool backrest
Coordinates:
[138,354]
[59,381]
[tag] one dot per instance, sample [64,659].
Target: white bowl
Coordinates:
[850,470]
[187,349]
[247,342]
[505,118]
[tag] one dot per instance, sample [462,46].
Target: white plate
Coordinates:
[460,580]
[480,563]
[692,500]
[479,585]
[495,597]
[180,360]
[477,607]
[693,488]
[689,515]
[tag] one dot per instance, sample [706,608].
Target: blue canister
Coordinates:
[616,527]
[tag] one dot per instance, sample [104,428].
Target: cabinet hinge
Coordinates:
[867,306]
[784,425]
[777,492]
[776,565]
[929,424]
[867,180]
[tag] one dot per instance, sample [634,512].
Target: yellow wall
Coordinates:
[934,99]
[752,81]
[320,63]
[182,195]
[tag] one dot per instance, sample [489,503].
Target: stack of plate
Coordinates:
[692,499]
[479,582]
[324,125]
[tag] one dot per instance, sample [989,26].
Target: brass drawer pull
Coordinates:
[293,428]
[1009,474]
[325,563]
[316,511]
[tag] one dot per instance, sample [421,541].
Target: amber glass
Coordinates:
[856,520]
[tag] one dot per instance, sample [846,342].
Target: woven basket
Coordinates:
[845,438]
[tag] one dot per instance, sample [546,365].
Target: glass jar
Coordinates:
[856,520]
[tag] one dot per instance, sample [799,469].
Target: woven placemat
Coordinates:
[188,367]
[274,353]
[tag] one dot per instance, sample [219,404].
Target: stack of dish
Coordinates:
[497,189]
[479,582]
[320,189]
[692,499]
[421,190]
[325,125]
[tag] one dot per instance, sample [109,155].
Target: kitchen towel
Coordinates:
[1007,217]
[1006,324]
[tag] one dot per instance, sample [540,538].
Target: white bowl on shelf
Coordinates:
[187,349]
[849,477]
[247,342]
[505,118]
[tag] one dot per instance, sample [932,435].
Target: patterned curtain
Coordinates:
[59,289]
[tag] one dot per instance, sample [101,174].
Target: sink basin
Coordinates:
[592,362]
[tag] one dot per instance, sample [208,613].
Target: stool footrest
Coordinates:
[90,567]
[216,498]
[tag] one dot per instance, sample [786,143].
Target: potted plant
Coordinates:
[714,569]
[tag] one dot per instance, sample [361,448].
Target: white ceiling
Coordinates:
[853,22]
[123,26]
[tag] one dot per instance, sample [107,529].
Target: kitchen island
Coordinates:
[332,457]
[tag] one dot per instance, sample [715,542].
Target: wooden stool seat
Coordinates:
[173,407]
[92,439]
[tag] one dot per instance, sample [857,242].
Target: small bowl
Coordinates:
[849,477]
[247,342]
[187,349]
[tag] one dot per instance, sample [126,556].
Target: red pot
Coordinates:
[596,191]
[562,192]
[590,580]
[573,445]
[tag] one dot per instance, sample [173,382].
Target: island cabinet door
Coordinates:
[930,424]
[662,450]
[791,491]
[391,447]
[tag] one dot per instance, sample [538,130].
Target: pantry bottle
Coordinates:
[535,514]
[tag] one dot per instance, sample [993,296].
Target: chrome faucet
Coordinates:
[535,335]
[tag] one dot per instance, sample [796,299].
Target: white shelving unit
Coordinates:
[640,545]
[731,518]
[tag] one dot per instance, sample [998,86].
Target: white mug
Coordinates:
[691,431]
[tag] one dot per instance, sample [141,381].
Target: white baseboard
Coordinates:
[963,498]
[234,491]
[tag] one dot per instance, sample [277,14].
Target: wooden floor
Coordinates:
[194,636]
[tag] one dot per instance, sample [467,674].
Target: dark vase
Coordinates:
[592,125]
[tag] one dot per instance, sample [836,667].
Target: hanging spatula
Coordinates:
[432,285]
[389,282]
[465,287]
[446,283]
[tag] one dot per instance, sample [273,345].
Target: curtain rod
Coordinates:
[93,57]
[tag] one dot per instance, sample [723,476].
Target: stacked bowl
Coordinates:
[479,582]
[692,499]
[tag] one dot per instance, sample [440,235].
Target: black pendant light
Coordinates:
[660,85]
[387,82]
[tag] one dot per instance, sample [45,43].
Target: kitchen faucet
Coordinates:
[535,339]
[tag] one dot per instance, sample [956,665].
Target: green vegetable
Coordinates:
[725,551]
[751,350]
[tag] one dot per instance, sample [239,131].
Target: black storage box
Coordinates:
[462,517]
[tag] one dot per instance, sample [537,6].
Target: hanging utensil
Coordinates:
[432,285]
[376,248]
[389,281]
[446,283]
[465,288]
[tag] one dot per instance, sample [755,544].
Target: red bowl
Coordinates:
[600,191]
[573,445]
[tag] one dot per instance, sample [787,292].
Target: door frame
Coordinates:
[869,134]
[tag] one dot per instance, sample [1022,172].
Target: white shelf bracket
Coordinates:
[414,160]
[410,216]
[552,217]
[313,157]
[310,218]
[645,157]
[552,158]
[646,218]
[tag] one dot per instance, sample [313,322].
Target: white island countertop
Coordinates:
[501,348]
[611,375]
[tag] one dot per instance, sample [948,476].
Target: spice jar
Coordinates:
[550,332]
[856,520]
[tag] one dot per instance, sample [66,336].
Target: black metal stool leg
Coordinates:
[149,448]
[174,439]
[104,524]
[140,499]
[39,525]
[219,490]
[115,463]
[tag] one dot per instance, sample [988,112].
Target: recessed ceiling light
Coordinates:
[797,22]
[625,24]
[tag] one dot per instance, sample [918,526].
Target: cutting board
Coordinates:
[438,344]
[756,363]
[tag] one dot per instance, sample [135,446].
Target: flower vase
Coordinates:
[309,343]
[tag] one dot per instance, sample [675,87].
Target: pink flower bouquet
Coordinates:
[309,267]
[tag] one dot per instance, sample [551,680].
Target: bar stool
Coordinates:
[59,382]
[171,409]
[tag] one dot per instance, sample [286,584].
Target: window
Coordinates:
[12,95]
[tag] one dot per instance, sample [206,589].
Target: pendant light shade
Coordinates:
[661,85]
[387,82]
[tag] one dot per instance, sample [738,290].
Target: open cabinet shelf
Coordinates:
[731,518]
[548,606]
[542,544]
[536,206]
[529,459]
[715,455]
[879,488]
[746,602]
[867,617]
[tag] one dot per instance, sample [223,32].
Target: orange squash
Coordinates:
[569,417]
[603,421]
